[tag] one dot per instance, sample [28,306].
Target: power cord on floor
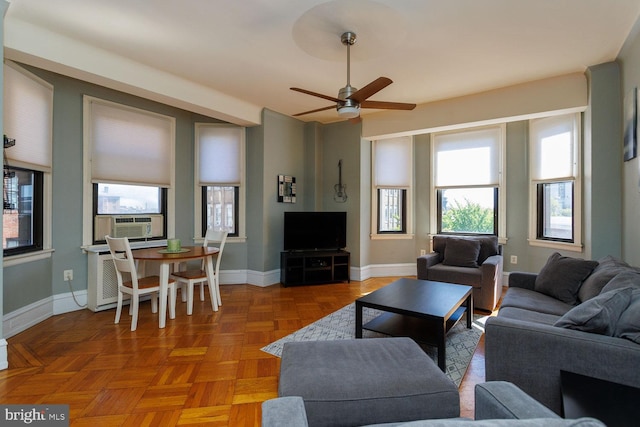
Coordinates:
[74,295]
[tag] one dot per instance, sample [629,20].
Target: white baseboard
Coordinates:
[383,270]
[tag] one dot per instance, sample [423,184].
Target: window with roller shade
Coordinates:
[555,179]
[392,185]
[220,176]
[467,178]
[28,135]
[130,160]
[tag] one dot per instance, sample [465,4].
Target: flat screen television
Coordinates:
[305,231]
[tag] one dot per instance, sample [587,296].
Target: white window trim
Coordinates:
[47,197]
[197,189]
[577,245]
[87,203]
[502,181]
[409,226]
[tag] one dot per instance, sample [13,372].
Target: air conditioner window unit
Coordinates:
[131,226]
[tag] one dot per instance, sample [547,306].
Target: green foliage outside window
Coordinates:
[467,217]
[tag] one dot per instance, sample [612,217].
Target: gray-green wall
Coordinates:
[629,59]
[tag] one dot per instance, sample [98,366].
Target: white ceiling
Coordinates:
[248,53]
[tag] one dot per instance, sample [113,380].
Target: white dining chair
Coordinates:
[135,287]
[189,278]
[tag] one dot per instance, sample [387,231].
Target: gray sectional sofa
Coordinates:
[575,315]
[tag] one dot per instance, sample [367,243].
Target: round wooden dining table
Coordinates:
[166,258]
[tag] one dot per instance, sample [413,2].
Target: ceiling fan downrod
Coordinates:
[348,38]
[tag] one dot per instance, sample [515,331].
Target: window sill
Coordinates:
[573,247]
[391,236]
[25,258]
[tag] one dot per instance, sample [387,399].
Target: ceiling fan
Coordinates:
[351,99]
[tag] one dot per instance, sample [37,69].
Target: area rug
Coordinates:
[340,325]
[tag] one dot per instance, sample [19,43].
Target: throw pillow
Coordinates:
[599,315]
[628,325]
[608,267]
[623,280]
[461,252]
[562,276]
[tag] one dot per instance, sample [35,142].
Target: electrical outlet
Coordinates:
[423,252]
[68,275]
[514,259]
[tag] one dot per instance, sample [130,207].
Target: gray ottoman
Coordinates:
[366,381]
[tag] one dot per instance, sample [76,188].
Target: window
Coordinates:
[392,210]
[28,118]
[554,180]
[22,218]
[129,158]
[467,176]
[392,181]
[220,203]
[220,177]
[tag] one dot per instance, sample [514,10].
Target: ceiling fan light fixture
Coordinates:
[348,112]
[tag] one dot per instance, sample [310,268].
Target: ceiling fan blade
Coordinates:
[319,95]
[387,105]
[315,111]
[370,89]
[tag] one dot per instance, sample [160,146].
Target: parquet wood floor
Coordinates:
[201,369]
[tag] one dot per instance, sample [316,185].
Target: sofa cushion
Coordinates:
[562,276]
[488,245]
[608,267]
[528,315]
[599,315]
[453,274]
[461,252]
[534,301]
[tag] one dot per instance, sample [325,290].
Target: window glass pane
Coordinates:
[128,199]
[557,210]
[391,210]
[18,217]
[468,210]
[220,208]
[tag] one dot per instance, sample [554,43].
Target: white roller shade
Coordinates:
[467,158]
[219,154]
[28,118]
[392,162]
[130,146]
[553,147]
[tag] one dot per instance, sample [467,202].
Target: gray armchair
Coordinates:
[467,260]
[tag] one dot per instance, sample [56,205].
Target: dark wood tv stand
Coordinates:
[312,267]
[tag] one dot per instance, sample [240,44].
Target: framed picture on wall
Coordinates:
[286,189]
[631,125]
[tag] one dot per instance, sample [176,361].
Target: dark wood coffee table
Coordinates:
[420,309]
